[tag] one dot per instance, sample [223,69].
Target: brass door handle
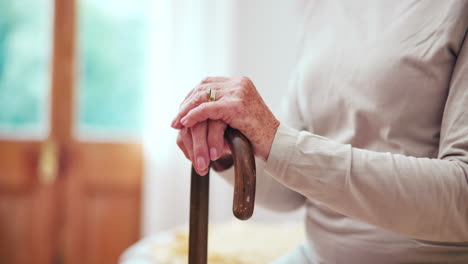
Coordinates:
[48,163]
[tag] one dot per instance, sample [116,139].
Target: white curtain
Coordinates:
[191,40]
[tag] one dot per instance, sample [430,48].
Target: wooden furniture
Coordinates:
[65,201]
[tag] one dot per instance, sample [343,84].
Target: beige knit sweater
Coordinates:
[375,143]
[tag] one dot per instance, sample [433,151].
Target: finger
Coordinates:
[201,88]
[206,80]
[188,98]
[199,97]
[196,96]
[180,143]
[216,130]
[200,147]
[210,110]
[205,84]
[186,135]
[189,94]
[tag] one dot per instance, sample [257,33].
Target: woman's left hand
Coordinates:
[238,104]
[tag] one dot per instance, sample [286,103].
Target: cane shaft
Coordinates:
[244,195]
[198,232]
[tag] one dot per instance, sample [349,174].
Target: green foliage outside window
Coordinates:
[25,48]
[112,59]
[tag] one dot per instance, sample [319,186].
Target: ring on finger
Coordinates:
[210,95]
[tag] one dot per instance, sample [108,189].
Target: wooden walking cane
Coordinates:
[244,195]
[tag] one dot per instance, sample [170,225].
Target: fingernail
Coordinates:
[213,154]
[184,121]
[201,163]
[173,123]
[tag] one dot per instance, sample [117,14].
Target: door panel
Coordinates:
[15,228]
[108,165]
[106,162]
[28,222]
[18,164]
[102,180]
[27,209]
[109,218]
[90,212]
[103,200]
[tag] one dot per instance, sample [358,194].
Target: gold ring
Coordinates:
[210,95]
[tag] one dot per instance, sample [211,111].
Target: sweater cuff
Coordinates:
[281,151]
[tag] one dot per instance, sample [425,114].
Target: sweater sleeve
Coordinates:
[270,193]
[419,197]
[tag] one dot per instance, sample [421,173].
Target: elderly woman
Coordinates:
[375,143]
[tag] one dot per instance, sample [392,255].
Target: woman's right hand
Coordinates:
[204,142]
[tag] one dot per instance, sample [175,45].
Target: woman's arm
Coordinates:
[418,197]
[270,193]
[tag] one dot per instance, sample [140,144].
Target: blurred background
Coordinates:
[88,161]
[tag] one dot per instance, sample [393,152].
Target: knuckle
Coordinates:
[202,107]
[241,92]
[245,81]
[197,90]
[180,141]
[199,98]
[239,81]
[237,106]
[200,87]
[193,101]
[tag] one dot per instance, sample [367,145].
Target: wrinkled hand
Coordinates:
[238,104]
[203,142]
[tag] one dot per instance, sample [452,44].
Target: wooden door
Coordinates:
[29,212]
[27,208]
[89,211]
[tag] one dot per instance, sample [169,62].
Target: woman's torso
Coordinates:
[376,74]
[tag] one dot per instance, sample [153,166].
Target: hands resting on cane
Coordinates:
[202,123]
